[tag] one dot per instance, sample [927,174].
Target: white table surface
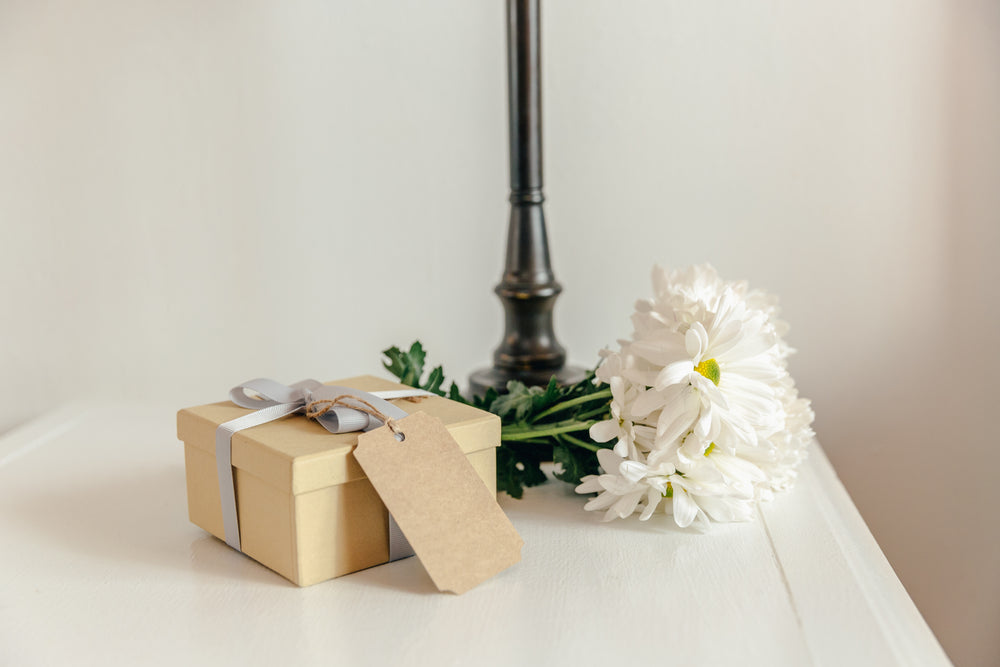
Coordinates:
[99,565]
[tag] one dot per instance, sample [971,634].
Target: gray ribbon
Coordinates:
[272,400]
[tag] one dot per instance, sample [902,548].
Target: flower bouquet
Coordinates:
[695,414]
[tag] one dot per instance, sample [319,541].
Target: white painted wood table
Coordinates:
[99,566]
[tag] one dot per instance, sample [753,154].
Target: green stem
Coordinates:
[521,434]
[593,413]
[559,407]
[580,443]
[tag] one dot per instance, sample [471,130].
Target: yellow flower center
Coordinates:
[710,369]
[669,493]
[710,448]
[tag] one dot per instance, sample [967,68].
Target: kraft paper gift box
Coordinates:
[306,509]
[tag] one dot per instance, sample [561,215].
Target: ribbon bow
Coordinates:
[337,409]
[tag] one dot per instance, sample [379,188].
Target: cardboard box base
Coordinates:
[303,537]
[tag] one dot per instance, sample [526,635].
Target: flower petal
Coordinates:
[653,499]
[674,373]
[673,424]
[626,504]
[608,461]
[633,471]
[617,390]
[649,400]
[660,351]
[589,484]
[685,509]
[695,341]
[604,431]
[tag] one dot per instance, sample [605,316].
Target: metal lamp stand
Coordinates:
[529,351]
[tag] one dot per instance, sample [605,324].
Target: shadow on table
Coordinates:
[404,576]
[138,517]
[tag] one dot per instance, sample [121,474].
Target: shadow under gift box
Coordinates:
[306,509]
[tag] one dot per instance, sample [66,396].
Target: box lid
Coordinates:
[298,455]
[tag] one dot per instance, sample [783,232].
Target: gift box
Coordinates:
[305,508]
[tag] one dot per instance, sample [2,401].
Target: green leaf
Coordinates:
[508,476]
[485,402]
[519,466]
[396,364]
[532,475]
[540,400]
[407,366]
[516,404]
[455,394]
[434,381]
[576,463]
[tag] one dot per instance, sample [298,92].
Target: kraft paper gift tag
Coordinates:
[450,518]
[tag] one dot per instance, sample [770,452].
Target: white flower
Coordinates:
[704,414]
[721,489]
[623,488]
[620,427]
[717,383]
[786,449]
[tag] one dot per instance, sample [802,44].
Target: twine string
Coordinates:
[315,409]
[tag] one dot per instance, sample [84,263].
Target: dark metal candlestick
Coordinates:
[529,352]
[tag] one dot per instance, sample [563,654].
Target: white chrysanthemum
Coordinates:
[705,416]
[712,376]
[620,427]
[721,489]
[626,485]
[785,450]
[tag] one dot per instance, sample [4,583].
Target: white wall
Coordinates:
[192,194]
